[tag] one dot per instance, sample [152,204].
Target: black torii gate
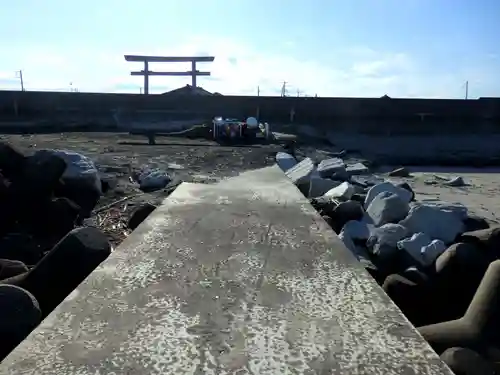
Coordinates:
[147,59]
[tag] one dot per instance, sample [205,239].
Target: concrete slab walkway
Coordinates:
[241,277]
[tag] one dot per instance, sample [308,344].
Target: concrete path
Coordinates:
[241,277]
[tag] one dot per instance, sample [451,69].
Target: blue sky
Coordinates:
[403,48]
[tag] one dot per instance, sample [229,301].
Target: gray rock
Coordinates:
[20,314]
[329,167]
[366,181]
[387,207]
[463,361]
[319,186]
[301,173]
[422,248]
[357,169]
[457,208]
[435,222]
[375,190]
[384,240]
[399,172]
[406,186]
[456,182]
[285,161]
[344,212]
[344,191]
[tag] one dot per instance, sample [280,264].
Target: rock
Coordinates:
[79,194]
[301,173]
[21,247]
[473,222]
[406,186]
[64,267]
[11,160]
[38,179]
[344,191]
[387,207]
[357,169]
[53,219]
[324,205]
[464,361]
[357,230]
[404,194]
[80,170]
[319,186]
[359,198]
[151,179]
[340,176]
[366,181]
[358,251]
[415,275]
[434,222]
[19,315]
[383,240]
[411,297]
[457,208]
[487,239]
[329,167]
[285,161]
[455,182]
[457,274]
[479,327]
[140,214]
[422,248]
[10,268]
[344,212]
[399,172]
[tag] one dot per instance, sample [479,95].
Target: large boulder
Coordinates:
[19,315]
[387,207]
[375,190]
[329,167]
[285,161]
[423,249]
[344,191]
[301,173]
[383,240]
[80,169]
[437,223]
[344,212]
[319,185]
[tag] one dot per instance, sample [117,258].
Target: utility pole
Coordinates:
[298,92]
[466,90]
[20,72]
[258,90]
[283,89]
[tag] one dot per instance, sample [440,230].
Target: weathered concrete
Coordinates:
[316,111]
[242,277]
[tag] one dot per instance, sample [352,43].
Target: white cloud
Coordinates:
[237,69]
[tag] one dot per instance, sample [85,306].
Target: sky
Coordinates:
[362,48]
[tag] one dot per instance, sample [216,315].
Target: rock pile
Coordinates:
[43,254]
[438,263]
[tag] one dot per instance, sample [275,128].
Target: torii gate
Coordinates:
[147,59]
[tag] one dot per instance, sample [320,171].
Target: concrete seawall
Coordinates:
[311,110]
[396,131]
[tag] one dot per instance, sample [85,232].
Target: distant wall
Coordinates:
[367,115]
[394,131]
